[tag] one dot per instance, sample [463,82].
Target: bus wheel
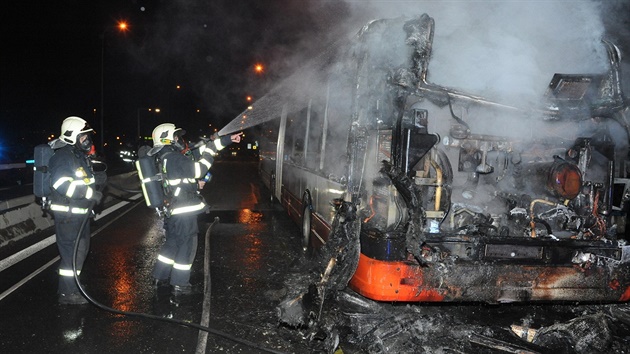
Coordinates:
[306,228]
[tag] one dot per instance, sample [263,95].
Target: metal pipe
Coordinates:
[438,184]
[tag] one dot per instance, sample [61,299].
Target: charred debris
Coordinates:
[480,217]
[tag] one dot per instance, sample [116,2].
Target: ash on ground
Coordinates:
[350,323]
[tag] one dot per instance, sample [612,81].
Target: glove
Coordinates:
[97,196]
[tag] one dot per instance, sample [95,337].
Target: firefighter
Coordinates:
[181,180]
[73,192]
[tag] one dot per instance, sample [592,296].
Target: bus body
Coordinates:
[529,208]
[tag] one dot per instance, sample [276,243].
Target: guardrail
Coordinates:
[23,216]
[10,166]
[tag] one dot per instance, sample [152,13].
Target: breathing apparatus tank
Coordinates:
[41,174]
[151,181]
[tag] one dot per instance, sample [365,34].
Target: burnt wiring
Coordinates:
[545,224]
[600,224]
[450,107]
[532,218]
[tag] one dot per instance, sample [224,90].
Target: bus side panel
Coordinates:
[320,230]
[292,205]
[293,182]
[265,169]
[296,181]
[268,147]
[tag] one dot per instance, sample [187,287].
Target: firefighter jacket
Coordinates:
[181,174]
[72,181]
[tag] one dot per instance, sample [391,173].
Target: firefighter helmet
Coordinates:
[72,127]
[165,133]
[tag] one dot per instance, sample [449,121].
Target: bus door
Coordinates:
[277,188]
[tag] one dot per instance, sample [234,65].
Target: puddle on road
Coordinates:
[242,216]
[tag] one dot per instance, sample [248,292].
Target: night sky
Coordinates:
[53,54]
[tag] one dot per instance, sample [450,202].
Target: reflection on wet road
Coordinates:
[245,263]
[252,250]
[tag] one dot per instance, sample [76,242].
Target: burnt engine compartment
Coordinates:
[550,202]
[460,188]
[474,200]
[447,210]
[538,190]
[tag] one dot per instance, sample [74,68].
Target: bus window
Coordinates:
[338,121]
[314,145]
[288,138]
[294,139]
[268,135]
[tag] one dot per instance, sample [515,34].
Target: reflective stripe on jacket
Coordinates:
[72,180]
[180,176]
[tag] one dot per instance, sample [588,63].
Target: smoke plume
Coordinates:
[505,50]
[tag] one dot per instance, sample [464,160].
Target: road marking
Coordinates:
[23,254]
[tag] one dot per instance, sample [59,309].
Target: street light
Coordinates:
[156,110]
[122,27]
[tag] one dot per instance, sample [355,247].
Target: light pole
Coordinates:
[122,27]
[156,110]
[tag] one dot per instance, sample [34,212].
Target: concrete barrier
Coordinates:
[23,216]
[20,217]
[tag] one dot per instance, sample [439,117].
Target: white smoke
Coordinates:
[506,50]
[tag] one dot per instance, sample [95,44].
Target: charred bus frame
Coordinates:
[442,212]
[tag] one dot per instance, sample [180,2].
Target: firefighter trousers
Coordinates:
[179,249]
[66,227]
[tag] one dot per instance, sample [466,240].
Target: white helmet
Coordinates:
[164,134]
[72,127]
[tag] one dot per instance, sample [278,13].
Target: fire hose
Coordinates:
[203,328]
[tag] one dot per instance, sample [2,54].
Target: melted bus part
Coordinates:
[514,219]
[496,203]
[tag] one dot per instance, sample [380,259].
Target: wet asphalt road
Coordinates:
[250,245]
[251,250]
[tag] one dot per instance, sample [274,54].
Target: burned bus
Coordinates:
[422,200]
